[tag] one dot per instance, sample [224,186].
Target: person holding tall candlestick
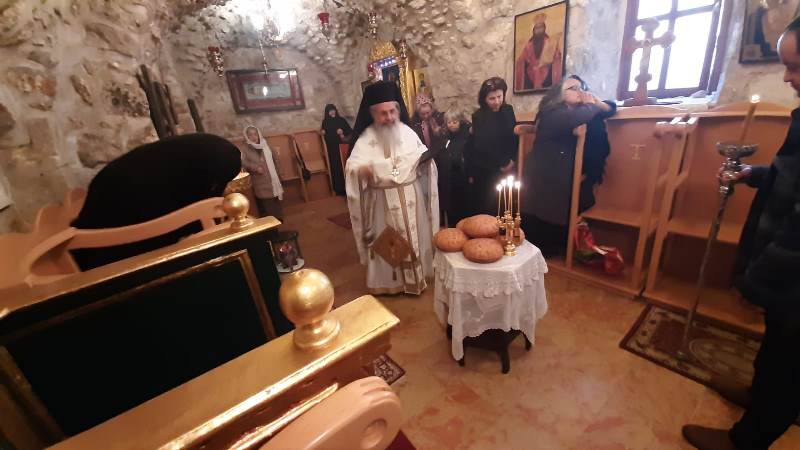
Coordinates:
[769,250]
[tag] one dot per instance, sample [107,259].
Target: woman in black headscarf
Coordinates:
[336,131]
[494,145]
[151,181]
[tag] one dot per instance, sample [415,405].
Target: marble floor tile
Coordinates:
[576,389]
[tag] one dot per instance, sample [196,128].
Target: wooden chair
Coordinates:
[49,220]
[311,146]
[623,216]
[689,205]
[80,351]
[51,259]
[289,164]
[298,389]
[527,137]
[344,153]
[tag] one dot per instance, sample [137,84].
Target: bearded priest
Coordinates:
[391,194]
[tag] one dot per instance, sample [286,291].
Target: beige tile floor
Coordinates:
[576,389]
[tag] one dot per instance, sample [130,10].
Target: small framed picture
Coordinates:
[764,21]
[254,90]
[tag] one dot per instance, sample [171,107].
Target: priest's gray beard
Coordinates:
[389,136]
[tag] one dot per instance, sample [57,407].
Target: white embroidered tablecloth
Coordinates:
[507,294]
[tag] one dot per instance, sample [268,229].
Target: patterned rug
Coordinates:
[657,336]
[343,220]
[386,368]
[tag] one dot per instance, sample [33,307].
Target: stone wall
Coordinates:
[69,100]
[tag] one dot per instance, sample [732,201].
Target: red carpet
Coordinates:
[343,220]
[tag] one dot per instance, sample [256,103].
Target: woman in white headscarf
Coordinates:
[259,160]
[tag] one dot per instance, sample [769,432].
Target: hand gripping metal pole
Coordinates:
[733,153]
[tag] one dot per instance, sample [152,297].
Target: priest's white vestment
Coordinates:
[402,194]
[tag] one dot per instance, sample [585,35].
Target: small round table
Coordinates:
[483,299]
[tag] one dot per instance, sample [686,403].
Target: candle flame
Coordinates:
[517,184]
[755,99]
[503,183]
[510,180]
[499,187]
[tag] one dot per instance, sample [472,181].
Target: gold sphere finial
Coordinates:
[236,206]
[306,298]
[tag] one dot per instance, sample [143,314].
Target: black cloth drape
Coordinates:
[151,181]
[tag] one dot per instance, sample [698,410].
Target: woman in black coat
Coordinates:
[547,174]
[493,150]
[450,164]
[336,131]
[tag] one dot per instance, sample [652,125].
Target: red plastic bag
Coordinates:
[601,257]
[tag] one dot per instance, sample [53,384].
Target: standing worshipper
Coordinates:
[494,148]
[452,173]
[547,174]
[539,64]
[769,251]
[336,131]
[391,194]
[259,160]
[429,124]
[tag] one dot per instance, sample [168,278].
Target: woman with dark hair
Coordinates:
[547,174]
[493,150]
[336,131]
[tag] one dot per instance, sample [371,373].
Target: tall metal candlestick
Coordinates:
[518,185]
[733,153]
[510,183]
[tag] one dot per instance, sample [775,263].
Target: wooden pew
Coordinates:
[694,201]
[627,202]
[83,349]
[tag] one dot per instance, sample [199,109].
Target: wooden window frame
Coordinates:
[715,49]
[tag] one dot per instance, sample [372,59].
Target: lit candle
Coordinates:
[510,184]
[499,193]
[751,111]
[505,205]
[518,185]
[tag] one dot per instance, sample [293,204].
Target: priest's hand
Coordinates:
[508,167]
[366,173]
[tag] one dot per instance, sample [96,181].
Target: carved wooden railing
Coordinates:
[195,331]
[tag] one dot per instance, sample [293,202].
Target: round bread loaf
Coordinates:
[461,223]
[483,250]
[450,240]
[481,226]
